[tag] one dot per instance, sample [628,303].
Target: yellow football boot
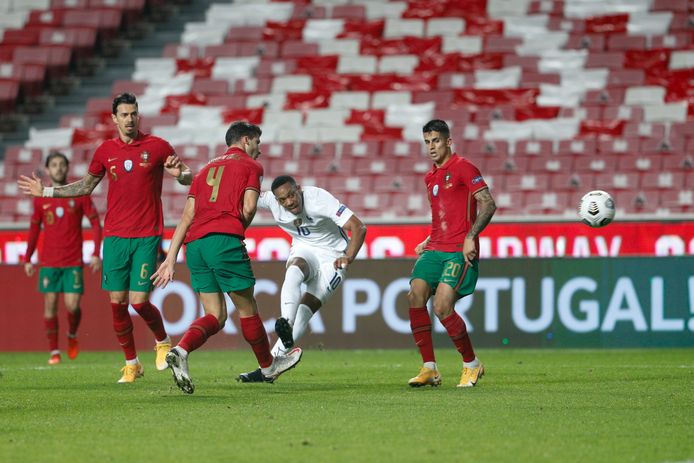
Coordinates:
[470,376]
[426,377]
[131,373]
[162,348]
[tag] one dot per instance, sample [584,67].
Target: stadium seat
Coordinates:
[544,97]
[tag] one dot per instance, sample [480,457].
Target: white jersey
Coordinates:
[320,224]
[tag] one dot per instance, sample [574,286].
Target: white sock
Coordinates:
[166,340]
[278,349]
[134,361]
[182,351]
[430,365]
[474,364]
[303,315]
[291,292]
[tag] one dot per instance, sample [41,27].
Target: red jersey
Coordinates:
[451,188]
[135,172]
[218,190]
[62,222]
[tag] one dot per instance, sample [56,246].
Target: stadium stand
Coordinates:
[549,98]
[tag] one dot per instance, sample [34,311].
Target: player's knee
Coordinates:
[298,264]
[416,298]
[442,310]
[71,307]
[221,317]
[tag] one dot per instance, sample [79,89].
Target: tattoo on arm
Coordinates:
[81,187]
[486,208]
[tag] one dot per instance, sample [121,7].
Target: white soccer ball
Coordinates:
[596,208]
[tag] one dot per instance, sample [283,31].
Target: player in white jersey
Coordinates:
[326,237]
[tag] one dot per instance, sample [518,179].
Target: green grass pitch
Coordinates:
[354,406]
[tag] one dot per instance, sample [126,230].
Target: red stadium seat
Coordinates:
[642,148]
[636,202]
[569,181]
[526,182]
[662,180]
[317,150]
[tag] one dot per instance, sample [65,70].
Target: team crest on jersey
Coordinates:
[297,222]
[71,203]
[128,165]
[447,180]
[59,211]
[144,157]
[435,190]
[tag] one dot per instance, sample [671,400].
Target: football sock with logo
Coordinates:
[420,324]
[123,326]
[152,317]
[199,331]
[254,333]
[73,320]
[291,292]
[303,315]
[51,324]
[455,325]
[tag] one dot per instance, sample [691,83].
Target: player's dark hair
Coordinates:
[123,98]
[281,180]
[437,125]
[240,129]
[57,154]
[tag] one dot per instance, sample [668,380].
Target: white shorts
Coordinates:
[323,280]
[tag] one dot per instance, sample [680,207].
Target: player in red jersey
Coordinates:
[461,207]
[220,206]
[61,255]
[134,163]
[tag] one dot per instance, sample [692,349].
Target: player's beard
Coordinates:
[59,181]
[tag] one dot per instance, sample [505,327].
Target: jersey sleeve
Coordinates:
[329,206]
[471,176]
[165,150]
[264,199]
[97,167]
[195,185]
[255,177]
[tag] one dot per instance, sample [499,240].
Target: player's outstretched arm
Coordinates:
[175,167]
[485,211]
[165,272]
[32,186]
[421,246]
[93,215]
[357,233]
[29,269]
[250,206]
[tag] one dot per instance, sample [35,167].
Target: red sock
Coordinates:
[152,317]
[199,331]
[73,320]
[420,324]
[455,325]
[51,332]
[123,326]
[254,333]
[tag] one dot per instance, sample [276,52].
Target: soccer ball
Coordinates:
[596,208]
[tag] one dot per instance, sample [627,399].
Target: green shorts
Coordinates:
[129,262]
[219,263]
[436,267]
[61,280]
